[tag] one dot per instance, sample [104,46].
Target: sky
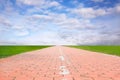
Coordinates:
[60,22]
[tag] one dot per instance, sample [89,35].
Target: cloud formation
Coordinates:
[97,0]
[4,21]
[57,22]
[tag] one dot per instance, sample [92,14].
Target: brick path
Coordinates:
[60,63]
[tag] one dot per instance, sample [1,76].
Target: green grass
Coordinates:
[112,50]
[6,51]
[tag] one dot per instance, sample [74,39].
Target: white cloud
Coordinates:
[42,4]
[43,24]
[117,8]
[21,33]
[114,10]
[32,2]
[91,37]
[54,3]
[43,38]
[4,21]
[43,17]
[20,30]
[61,20]
[89,12]
[97,0]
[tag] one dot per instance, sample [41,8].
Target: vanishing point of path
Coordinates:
[60,63]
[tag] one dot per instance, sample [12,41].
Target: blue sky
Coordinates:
[57,22]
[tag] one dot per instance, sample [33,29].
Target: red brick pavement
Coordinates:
[60,63]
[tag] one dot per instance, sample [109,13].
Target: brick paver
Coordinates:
[60,63]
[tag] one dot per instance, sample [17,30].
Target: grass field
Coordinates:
[113,50]
[6,51]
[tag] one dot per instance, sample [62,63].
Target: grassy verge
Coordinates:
[112,50]
[6,51]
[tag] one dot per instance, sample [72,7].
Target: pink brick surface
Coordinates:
[60,63]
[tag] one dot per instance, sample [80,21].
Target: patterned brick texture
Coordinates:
[60,63]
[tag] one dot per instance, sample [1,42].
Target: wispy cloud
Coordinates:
[58,22]
[97,0]
[4,22]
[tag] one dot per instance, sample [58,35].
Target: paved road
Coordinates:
[60,63]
